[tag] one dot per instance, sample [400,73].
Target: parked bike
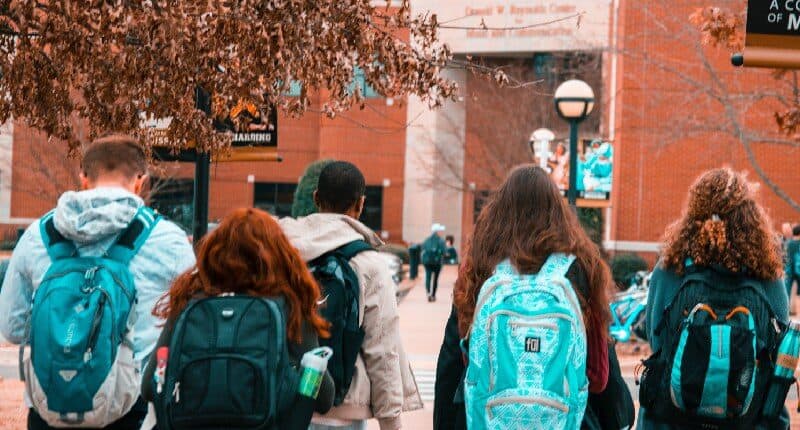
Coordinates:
[628,310]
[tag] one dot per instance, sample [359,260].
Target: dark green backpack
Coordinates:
[340,307]
[433,250]
[228,366]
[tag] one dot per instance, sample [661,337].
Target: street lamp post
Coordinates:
[574,100]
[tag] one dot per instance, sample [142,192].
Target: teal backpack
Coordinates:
[433,250]
[80,370]
[796,262]
[527,351]
[719,337]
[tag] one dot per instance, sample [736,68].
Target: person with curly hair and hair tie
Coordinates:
[725,237]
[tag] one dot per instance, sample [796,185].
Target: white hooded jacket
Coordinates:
[383,384]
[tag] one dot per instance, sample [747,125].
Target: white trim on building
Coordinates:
[631,246]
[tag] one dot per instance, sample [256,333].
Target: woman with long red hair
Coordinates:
[249,255]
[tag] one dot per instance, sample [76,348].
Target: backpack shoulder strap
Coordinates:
[354,248]
[58,247]
[134,236]
[556,265]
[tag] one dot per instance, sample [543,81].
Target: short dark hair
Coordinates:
[340,187]
[796,230]
[114,154]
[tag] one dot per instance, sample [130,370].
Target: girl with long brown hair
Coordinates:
[248,254]
[721,253]
[526,222]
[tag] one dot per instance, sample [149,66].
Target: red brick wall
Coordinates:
[667,123]
[41,171]
[374,139]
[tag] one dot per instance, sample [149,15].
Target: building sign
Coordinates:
[254,135]
[773,34]
[595,168]
[508,26]
[251,126]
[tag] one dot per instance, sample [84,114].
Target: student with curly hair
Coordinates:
[716,309]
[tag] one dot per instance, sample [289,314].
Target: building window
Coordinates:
[295,87]
[372,216]
[275,198]
[173,199]
[360,81]
[479,201]
[544,66]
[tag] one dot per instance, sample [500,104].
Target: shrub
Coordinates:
[592,221]
[625,266]
[303,204]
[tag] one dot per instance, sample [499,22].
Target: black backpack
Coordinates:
[340,291]
[719,339]
[228,366]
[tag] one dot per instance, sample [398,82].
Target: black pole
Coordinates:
[202,168]
[572,193]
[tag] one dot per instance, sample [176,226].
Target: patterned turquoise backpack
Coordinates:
[527,351]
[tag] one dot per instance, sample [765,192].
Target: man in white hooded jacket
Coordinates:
[113,172]
[383,385]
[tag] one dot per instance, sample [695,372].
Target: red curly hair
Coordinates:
[724,225]
[249,254]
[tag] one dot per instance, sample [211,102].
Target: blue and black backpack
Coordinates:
[719,338]
[79,370]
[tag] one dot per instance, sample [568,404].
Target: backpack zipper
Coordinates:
[176,392]
[525,400]
[493,316]
[95,330]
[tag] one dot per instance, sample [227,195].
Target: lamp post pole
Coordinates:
[202,168]
[572,192]
[574,101]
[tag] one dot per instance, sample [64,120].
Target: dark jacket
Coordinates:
[324,400]
[433,250]
[792,254]
[612,404]
[664,284]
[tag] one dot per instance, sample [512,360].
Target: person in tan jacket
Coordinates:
[383,384]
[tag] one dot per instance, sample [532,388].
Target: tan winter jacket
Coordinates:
[383,384]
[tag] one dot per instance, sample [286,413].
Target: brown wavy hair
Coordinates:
[248,254]
[724,225]
[527,220]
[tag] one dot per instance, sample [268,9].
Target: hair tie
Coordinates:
[715,217]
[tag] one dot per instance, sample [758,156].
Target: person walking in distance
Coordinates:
[80,289]
[716,312]
[433,250]
[372,375]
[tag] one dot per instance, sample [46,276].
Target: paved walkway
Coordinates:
[422,327]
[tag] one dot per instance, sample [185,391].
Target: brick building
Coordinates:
[39,174]
[678,108]
[671,107]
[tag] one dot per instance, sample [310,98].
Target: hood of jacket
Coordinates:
[317,234]
[94,215]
